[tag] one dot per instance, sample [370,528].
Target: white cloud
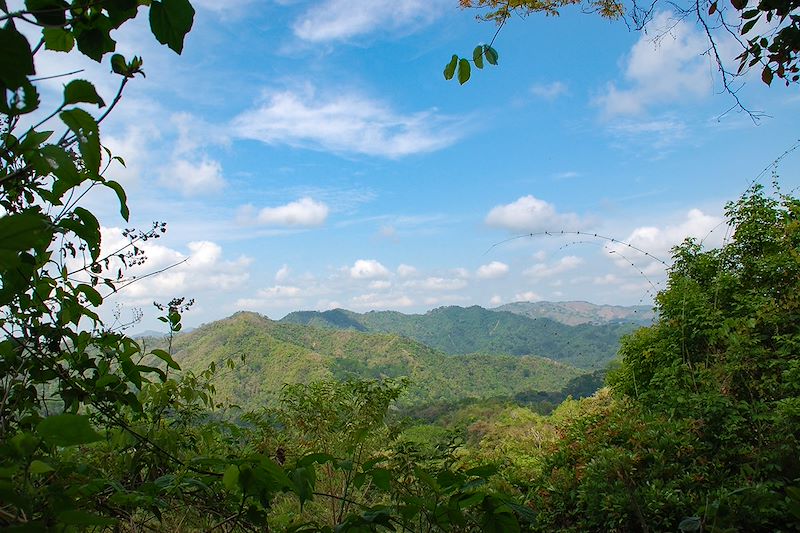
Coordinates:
[496,300]
[549,91]
[437,284]
[528,296]
[368,269]
[529,213]
[666,68]
[406,271]
[279,291]
[381,301]
[304,212]
[608,279]
[658,241]
[379,285]
[194,179]
[200,271]
[335,20]
[344,122]
[543,270]
[492,270]
[283,273]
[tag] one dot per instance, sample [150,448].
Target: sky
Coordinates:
[311,155]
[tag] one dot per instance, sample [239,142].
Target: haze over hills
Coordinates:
[462,330]
[277,353]
[575,313]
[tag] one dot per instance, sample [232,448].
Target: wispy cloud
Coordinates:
[549,91]
[344,122]
[337,20]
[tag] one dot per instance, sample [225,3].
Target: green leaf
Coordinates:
[119,65]
[95,41]
[381,478]
[82,91]
[303,479]
[477,56]
[450,68]
[91,230]
[58,39]
[170,21]
[482,471]
[690,524]
[67,430]
[748,26]
[230,479]
[39,467]
[491,54]
[766,75]
[91,294]
[25,230]
[167,358]
[16,61]
[76,517]
[52,159]
[463,71]
[24,99]
[48,12]
[84,126]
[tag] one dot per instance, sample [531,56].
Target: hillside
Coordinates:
[575,313]
[277,353]
[459,330]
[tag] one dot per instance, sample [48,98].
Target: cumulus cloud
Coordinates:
[437,284]
[202,269]
[658,241]
[543,270]
[335,20]
[492,270]
[381,301]
[529,213]
[194,178]
[549,91]
[406,271]
[527,296]
[283,273]
[344,122]
[368,269]
[304,212]
[668,67]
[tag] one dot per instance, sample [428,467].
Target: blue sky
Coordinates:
[310,155]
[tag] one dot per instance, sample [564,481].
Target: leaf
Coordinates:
[712,8]
[491,54]
[167,358]
[95,41]
[67,430]
[84,126]
[230,479]
[766,75]
[690,524]
[304,479]
[58,39]
[463,71]
[450,68]
[48,12]
[748,26]
[25,230]
[91,230]
[123,198]
[38,467]
[16,61]
[91,294]
[482,471]
[477,56]
[381,478]
[170,21]
[82,91]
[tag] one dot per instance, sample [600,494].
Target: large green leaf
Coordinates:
[477,56]
[48,12]
[450,68]
[464,71]
[84,126]
[95,41]
[123,198]
[67,430]
[16,59]
[58,39]
[170,21]
[82,91]
[25,230]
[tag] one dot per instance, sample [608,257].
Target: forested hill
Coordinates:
[463,330]
[574,313]
[277,353]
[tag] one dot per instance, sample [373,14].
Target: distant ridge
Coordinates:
[462,330]
[579,312]
[278,353]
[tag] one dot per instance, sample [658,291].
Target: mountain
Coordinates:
[462,330]
[277,353]
[575,313]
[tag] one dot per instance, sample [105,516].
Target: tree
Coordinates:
[767,33]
